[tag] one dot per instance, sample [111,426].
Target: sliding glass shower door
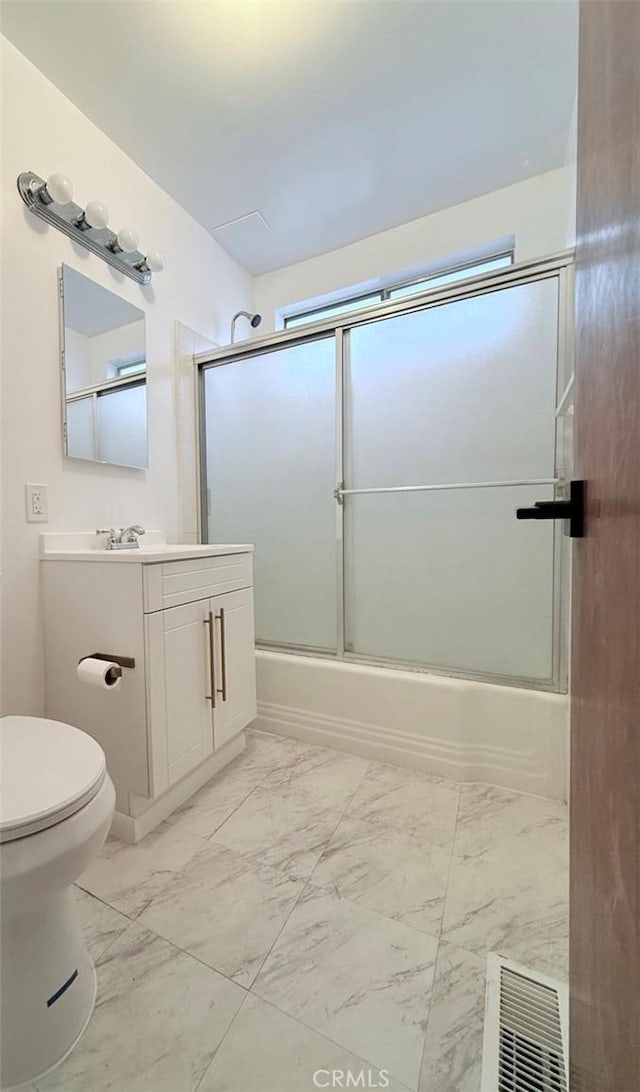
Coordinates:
[270,472]
[377,466]
[451,399]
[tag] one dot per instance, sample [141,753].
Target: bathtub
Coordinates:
[456,728]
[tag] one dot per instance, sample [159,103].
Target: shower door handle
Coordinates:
[571,510]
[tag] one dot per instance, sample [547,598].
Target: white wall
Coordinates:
[539,214]
[201,286]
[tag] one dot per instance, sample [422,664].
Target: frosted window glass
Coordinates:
[449,278]
[122,426]
[464,391]
[270,436]
[80,431]
[335,309]
[451,580]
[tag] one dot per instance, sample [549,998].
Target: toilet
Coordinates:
[56,806]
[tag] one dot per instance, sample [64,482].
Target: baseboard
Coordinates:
[131,828]
[465,731]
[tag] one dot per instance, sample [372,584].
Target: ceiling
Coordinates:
[290,127]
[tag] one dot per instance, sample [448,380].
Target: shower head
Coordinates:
[254,320]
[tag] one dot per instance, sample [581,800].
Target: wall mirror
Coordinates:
[104,373]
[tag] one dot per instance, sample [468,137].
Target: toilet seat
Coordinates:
[48,772]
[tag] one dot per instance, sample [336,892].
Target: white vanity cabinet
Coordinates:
[203,655]
[185,616]
[200,657]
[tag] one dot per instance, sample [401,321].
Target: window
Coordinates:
[342,308]
[125,371]
[396,291]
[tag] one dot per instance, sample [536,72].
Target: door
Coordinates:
[187,684]
[605,691]
[235,664]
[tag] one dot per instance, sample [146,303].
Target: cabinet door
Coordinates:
[235,664]
[187,684]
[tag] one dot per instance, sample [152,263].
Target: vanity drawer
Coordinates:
[178,582]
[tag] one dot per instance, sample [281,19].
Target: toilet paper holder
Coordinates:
[121,661]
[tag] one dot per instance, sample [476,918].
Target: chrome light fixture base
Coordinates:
[100,241]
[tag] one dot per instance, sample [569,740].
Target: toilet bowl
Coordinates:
[56,806]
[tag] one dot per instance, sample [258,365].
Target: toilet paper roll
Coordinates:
[105,674]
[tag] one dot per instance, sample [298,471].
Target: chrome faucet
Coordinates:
[126,538]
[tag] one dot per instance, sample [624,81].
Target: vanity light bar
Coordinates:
[52,201]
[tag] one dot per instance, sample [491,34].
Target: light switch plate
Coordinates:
[37,503]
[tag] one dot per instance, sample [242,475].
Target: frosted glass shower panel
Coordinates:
[451,580]
[270,451]
[462,391]
[81,428]
[122,425]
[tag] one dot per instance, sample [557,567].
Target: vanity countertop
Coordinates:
[87,546]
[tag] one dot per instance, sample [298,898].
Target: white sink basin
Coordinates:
[87,546]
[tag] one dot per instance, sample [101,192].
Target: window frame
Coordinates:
[298,319]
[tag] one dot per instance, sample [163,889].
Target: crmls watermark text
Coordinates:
[349,1078]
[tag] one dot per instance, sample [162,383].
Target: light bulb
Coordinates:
[59,189]
[155,261]
[127,240]
[96,214]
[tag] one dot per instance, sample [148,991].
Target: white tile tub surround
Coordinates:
[456,728]
[186,342]
[243,948]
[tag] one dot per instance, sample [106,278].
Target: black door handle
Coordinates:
[571,510]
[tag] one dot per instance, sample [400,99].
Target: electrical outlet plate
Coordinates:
[37,503]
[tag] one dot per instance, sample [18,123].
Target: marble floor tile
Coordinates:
[320,882]
[268,750]
[414,803]
[159,1018]
[223,912]
[453,1049]
[285,831]
[128,877]
[101,923]
[358,978]
[203,813]
[284,1056]
[329,777]
[386,870]
[508,887]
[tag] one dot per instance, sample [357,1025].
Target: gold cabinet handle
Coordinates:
[223,654]
[208,621]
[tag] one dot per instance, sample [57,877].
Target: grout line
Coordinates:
[223,1039]
[334,1043]
[440,942]
[370,910]
[307,881]
[451,856]
[186,952]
